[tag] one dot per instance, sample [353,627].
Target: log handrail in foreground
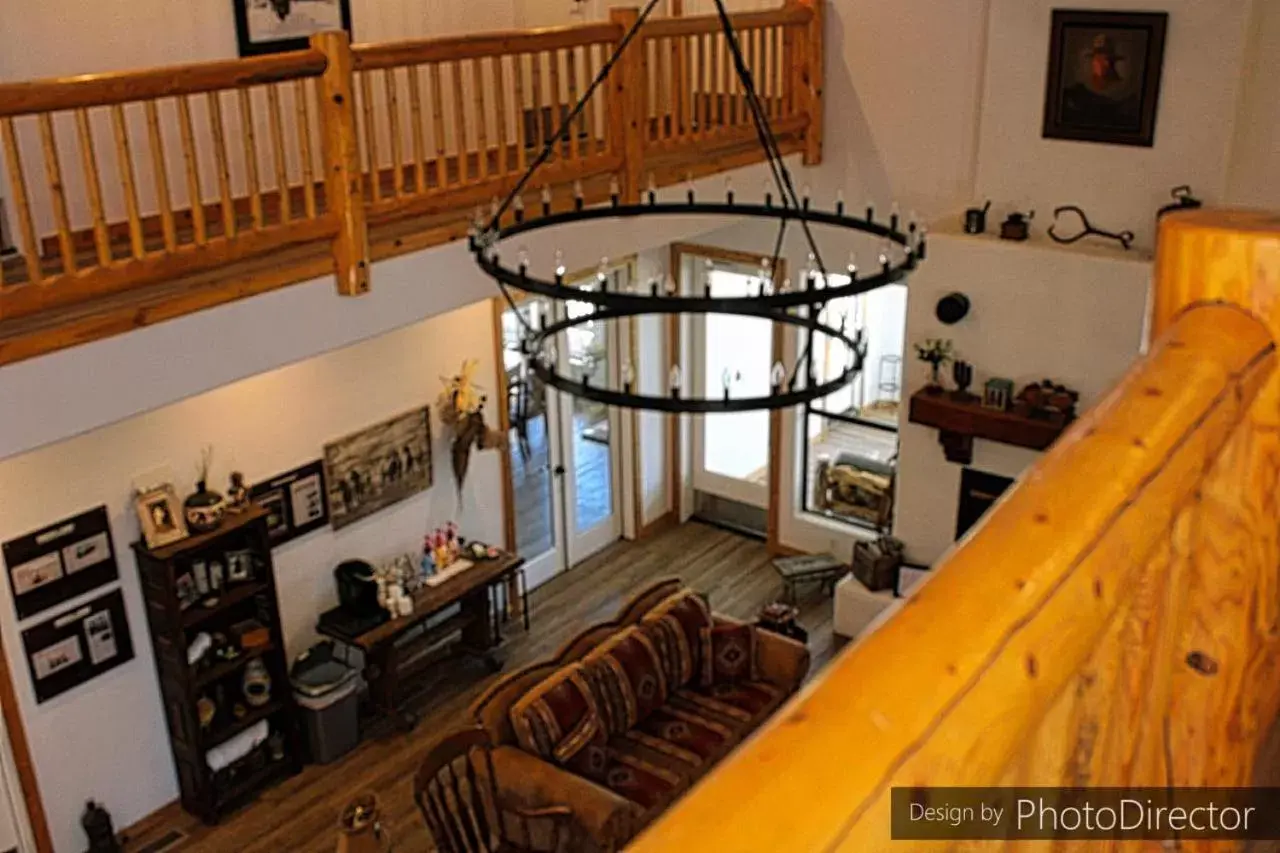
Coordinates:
[120,185]
[1114,621]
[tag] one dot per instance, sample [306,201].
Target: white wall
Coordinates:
[1254,178]
[1038,311]
[1121,187]
[106,740]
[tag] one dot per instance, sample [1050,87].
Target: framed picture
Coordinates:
[378,466]
[73,647]
[1104,76]
[59,562]
[295,502]
[271,26]
[160,514]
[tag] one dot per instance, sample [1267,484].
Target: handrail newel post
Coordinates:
[628,124]
[344,196]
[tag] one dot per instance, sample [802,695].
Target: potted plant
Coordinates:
[935,352]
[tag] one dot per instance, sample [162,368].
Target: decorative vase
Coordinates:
[257,683]
[204,509]
[97,826]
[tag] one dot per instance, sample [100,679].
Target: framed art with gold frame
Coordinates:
[160,515]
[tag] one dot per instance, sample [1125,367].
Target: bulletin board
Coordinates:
[59,562]
[71,648]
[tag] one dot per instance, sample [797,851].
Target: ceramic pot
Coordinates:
[204,509]
[257,684]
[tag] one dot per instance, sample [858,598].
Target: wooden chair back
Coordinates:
[455,791]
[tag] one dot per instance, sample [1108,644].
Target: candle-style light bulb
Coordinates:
[852,266]
[615,190]
[653,286]
[546,199]
[494,206]
[894,217]
[670,285]
[675,380]
[768,193]
[726,379]
[517,205]
[839,202]
[628,376]
[777,375]
[871,211]
[786,285]
[691,194]
[602,271]
[728,190]
[884,254]
[653,189]
[920,247]
[523,256]
[549,357]
[579,198]
[804,200]
[559,265]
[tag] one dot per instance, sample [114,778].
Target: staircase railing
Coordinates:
[1114,621]
[121,181]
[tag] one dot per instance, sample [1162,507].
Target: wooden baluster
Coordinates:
[303,109]
[770,72]
[277,152]
[573,144]
[750,50]
[124,160]
[160,173]
[460,125]
[393,113]
[344,199]
[22,202]
[93,186]
[535,77]
[706,74]
[786,71]
[229,225]
[195,199]
[53,173]
[500,98]
[522,153]
[688,91]
[415,115]
[437,121]
[813,78]
[371,134]
[728,83]
[677,86]
[556,104]
[482,118]
[249,137]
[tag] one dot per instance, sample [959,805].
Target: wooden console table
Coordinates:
[960,422]
[400,648]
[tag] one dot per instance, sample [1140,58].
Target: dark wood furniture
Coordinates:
[808,568]
[207,794]
[454,788]
[400,648]
[961,421]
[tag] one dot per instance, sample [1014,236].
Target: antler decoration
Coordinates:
[461,408]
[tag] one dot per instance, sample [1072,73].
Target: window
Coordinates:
[850,448]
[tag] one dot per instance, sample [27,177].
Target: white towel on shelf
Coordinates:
[226,754]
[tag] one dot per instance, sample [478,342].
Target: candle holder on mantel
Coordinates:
[962,373]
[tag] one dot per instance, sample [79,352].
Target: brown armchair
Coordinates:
[457,792]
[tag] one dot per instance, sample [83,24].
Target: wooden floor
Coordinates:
[301,813]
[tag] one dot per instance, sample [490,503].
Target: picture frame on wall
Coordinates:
[378,466]
[78,645]
[1103,83]
[60,561]
[273,26]
[296,502]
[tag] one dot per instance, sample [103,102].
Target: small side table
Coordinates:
[781,618]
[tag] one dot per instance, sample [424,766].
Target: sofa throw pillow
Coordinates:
[626,675]
[732,657]
[675,625]
[557,717]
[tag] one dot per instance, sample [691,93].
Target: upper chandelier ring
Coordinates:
[886,269]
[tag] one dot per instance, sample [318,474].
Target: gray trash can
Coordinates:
[327,693]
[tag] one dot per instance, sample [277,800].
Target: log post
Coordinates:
[810,80]
[627,110]
[343,196]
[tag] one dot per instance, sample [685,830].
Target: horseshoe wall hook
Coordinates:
[1124,238]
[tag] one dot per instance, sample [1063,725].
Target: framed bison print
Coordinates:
[271,26]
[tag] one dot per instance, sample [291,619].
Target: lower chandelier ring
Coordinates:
[779,398]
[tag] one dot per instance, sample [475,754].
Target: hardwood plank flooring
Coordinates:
[301,813]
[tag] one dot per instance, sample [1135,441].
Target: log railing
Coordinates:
[118,182]
[1114,621]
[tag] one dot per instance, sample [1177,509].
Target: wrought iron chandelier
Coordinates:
[902,248]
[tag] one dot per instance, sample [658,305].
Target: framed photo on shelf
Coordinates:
[1104,76]
[160,515]
[295,501]
[272,26]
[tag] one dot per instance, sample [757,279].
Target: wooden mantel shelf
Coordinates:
[959,422]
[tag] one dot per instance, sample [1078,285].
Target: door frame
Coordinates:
[675,339]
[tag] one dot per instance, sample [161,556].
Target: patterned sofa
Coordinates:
[633,712]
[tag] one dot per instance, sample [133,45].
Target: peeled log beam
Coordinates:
[951,690]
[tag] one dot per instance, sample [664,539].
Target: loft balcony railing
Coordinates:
[177,188]
[1113,621]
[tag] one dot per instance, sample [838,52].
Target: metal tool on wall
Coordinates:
[1124,238]
[1182,200]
